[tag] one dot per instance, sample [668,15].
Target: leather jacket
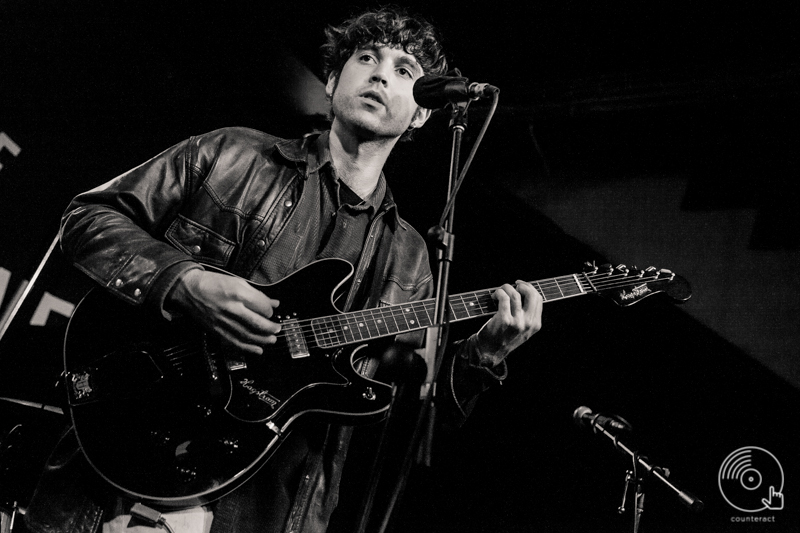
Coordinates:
[223,199]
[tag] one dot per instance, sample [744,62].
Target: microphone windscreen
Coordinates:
[435,92]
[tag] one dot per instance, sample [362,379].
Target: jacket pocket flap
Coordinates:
[201,243]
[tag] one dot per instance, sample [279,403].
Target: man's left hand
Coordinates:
[518,317]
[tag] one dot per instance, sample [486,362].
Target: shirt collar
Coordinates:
[321,157]
[314,150]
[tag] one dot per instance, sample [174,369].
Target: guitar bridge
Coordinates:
[295,338]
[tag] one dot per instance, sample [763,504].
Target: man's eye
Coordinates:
[404,72]
[365,57]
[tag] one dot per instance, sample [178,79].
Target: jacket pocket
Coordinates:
[201,243]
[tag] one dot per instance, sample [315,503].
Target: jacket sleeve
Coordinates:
[465,378]
[111,233]
[461,378]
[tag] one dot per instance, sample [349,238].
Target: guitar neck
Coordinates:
[356,326]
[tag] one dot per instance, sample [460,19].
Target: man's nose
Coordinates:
[380,75]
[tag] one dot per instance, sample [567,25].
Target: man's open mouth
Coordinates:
[373,96]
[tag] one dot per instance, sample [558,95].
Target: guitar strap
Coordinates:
[368,294]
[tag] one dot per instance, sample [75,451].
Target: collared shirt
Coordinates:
[332,222]
[345,217]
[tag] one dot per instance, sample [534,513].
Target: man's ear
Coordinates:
[333,81]
[421,116]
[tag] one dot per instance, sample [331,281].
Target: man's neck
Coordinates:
[358,162]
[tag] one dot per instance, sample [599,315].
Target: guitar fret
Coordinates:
[352,327]
[538,286]
[567,286]
[361,325]
[391,321]
[327,332]
[380,323]
[373,325]
[486,303]
[413,321]
[400,318]
[558,286]
[461,307]
[426,320]
[549,292]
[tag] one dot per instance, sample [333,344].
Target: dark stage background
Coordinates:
[607,114]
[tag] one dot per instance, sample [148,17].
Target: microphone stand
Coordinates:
[443,239]
[635,479]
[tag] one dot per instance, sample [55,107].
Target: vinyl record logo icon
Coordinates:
[751,480]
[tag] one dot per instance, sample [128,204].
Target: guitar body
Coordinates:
[173,420]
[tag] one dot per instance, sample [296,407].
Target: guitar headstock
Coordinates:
[626,286]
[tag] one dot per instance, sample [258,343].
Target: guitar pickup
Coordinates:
[236,364]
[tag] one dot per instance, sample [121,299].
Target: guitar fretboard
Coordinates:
[356,326]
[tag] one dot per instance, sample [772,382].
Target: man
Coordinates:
[261,208]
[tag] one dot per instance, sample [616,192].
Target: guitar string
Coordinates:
[334,335]
[341,326]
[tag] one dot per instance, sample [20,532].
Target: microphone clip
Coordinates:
[584,417]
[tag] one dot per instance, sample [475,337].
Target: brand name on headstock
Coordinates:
[635,292]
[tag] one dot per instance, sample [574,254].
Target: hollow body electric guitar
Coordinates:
[172,420]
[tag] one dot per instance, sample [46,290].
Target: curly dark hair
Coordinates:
[390,26]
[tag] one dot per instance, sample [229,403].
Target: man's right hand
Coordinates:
[228,306]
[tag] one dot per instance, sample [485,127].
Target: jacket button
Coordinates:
[288,203]
[260,243]
[137,293]
[119,283]
[196,249]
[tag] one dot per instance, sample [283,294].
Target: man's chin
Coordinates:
[370,128]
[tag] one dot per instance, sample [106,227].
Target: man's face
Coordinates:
[373,94]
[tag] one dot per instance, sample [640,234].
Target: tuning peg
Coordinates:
[589,267]
[668,273]
[636,272]
[606,268]
[622,268]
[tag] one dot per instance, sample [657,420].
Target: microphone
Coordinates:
[434,92]
[584,417]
